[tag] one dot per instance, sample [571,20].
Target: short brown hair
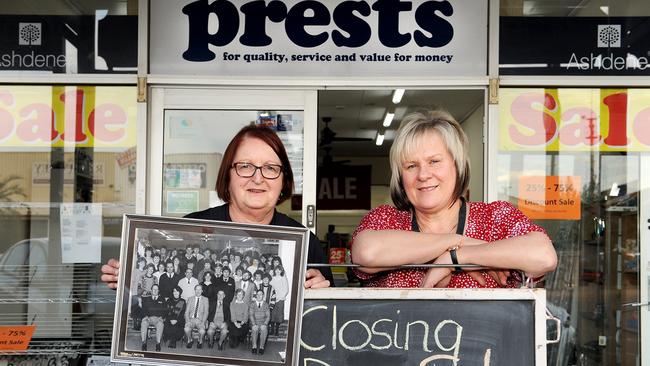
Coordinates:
[270,138]
[412,127]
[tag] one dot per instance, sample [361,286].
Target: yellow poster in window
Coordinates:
[537,119]
[102,117]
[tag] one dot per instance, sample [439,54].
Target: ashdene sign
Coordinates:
[319,38]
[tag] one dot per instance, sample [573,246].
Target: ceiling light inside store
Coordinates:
[615,190]
[397,95]
[388,119]
[379,140]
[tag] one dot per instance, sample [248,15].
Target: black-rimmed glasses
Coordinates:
[247,170]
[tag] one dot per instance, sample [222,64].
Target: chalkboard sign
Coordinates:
[424,327]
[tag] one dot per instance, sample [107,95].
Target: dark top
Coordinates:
[151,307]
[167,284]
[226,312]
[314,254]
[210,291]
[176,308]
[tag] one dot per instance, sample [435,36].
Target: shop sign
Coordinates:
[45,116]
[550,197]
[574,120]
[588,46]
[42,173]
[317,38]
[127,157]
[69,44]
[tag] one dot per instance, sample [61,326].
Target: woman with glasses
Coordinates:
[254,176]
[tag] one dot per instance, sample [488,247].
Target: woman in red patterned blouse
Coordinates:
[431,222]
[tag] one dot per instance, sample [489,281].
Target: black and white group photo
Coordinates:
[209,295]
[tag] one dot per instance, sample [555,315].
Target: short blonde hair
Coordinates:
[416,125]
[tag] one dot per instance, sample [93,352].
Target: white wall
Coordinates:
[473,127]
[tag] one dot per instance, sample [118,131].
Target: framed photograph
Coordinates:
[208,292]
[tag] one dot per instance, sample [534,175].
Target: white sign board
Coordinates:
[325,38]
[81,232]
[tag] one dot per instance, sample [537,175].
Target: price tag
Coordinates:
[337,256]
[15,337]
[550,197]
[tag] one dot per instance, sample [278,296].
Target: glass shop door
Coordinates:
[191,127]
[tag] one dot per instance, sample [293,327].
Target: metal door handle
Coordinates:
[635,304]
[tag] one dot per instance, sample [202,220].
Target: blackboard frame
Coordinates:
[535,296]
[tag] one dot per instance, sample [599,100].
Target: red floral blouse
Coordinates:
[485,221]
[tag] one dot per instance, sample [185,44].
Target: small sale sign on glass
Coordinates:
[15,337]
[550,197]
[337,256]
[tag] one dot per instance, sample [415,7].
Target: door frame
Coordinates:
[644,256]
[230,98]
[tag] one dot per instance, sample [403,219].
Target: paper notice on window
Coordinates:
[81,232]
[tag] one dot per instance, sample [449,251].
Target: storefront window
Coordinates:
[71,37]
[68,175]
[570,160]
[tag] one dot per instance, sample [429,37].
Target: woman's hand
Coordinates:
[173,321]
[110,271]
[500,276]
[315,279]
[436,276]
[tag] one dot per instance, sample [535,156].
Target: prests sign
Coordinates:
[574,119]
[550,197]
[57,116]
[316,38]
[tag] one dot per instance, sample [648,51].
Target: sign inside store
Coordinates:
[42,172]
[15,337]
[344,187]
[574,120]
[550,197]
[36,116]
[315,38]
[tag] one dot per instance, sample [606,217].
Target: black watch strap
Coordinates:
[454,259]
